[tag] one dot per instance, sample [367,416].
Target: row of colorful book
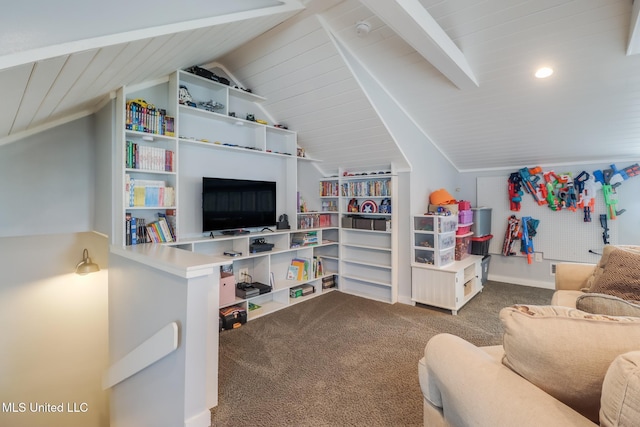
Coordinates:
[137,231]
[145,157]
[329,188]
[369,188]
[143,117]
[314,220]
[148,193]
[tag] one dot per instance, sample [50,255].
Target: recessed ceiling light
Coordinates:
[544,72]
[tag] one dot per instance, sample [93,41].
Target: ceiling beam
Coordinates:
[633,47]
[411,21]
[284,8]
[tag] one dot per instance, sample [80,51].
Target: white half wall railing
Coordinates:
[159,345]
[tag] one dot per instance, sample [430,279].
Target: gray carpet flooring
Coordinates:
[342,360]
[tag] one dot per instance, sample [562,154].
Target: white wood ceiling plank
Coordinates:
[275,39]
[318,75]
[78,94]
[42,77]
[72,69]
[283,103]
[295,48]
[13,84]
[115,71]
[157,62]
[131,71]
[334,112]
[309,63]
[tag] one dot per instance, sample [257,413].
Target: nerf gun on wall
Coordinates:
[586,187]
[526,244]
[552,200]
[529,181]
[515,191]
[611,200]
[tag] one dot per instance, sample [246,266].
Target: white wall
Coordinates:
[197,162]
[47,181]
[54,344]
[430,170]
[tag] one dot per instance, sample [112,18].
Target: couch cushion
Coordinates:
[617,273]
[566,352]
[606,304]
[621,392]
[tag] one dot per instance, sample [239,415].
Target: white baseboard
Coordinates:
[523,281]
[203,419]
[405,300]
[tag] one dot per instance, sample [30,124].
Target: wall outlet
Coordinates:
[538,256]
[243,274]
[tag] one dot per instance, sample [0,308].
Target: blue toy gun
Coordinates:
[526,242]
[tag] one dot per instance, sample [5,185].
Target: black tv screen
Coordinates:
[231,204]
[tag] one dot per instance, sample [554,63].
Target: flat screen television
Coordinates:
[232,204]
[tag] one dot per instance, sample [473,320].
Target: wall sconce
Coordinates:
[86,266]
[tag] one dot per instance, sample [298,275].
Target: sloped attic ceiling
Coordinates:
[69,61]
[588,111]
[308,85]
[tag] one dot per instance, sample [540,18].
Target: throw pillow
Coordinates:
[620,275]
[607,304]
[566,352]
[605,258]
[620,391]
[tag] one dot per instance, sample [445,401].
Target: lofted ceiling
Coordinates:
[461,70]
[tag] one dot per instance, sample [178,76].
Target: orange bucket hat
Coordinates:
[441,197]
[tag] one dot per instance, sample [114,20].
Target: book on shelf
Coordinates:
[301,266]
[318,267]
[138,231]
[314,220]
[139,156]
[159,231]
[148,192]
[143,117]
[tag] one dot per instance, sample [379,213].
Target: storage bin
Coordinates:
[425,240]
[465,217]
[480,245]
[227,289]
[463,247]
[463,229]
[363,223]
[381,224]
[481,221]
[447,224]
[464,205]
[445,257]
[485,269]
[347,222]
[424,223]
[446,240]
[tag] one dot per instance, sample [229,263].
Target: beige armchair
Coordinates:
[559,366]
[571,278]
